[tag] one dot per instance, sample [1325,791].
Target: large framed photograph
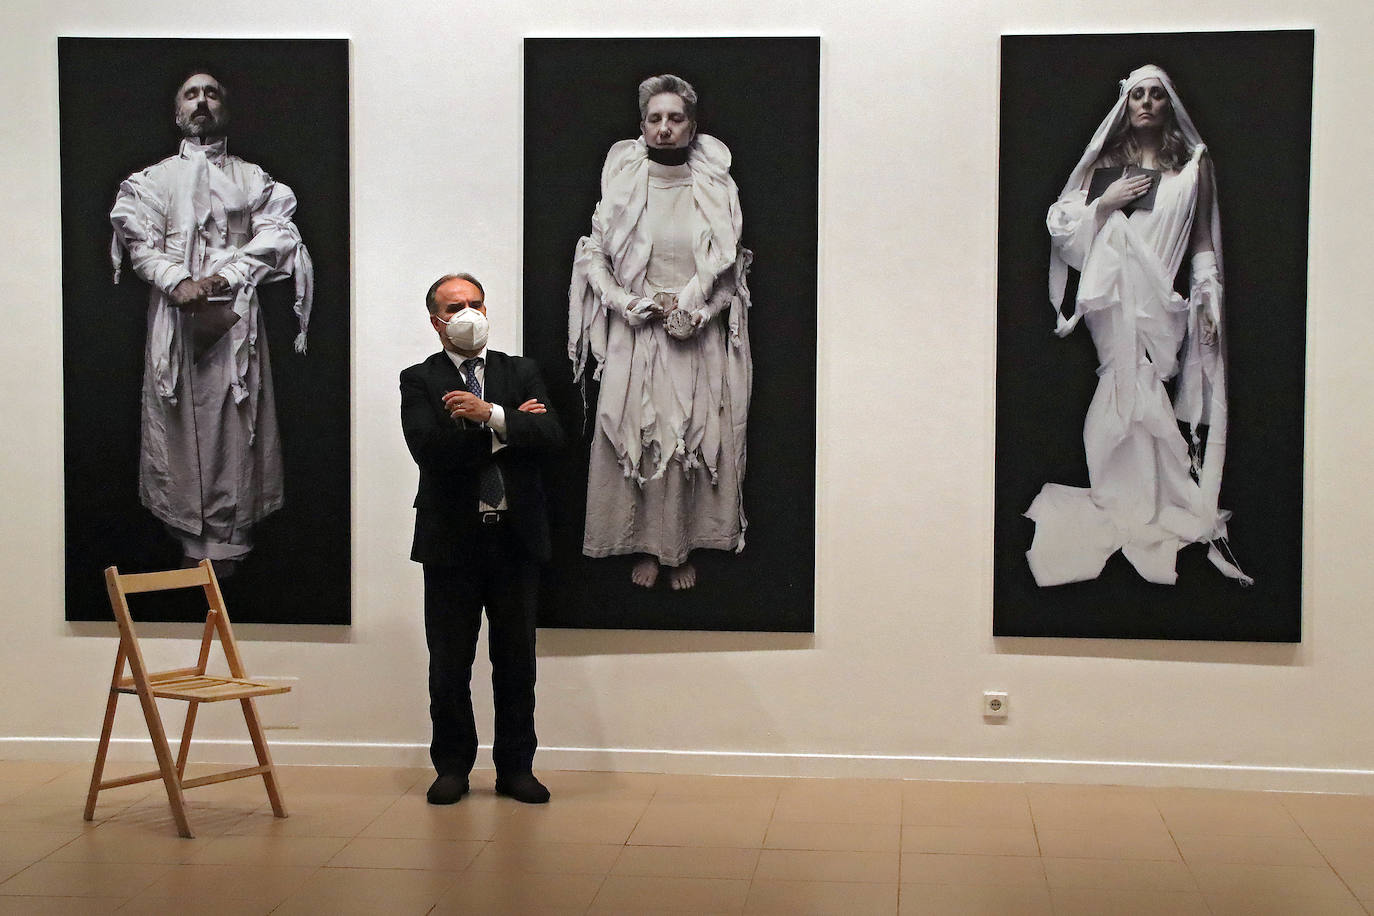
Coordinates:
[206,393]
[670,297]
[1151,333]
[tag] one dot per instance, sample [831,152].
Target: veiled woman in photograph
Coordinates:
[1155,431]
[659,304]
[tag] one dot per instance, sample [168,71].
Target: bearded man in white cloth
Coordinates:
[205,229]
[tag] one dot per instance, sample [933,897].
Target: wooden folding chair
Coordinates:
[192,685]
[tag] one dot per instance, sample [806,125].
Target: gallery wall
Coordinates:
[891,682]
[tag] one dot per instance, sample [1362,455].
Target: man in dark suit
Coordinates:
[477,423]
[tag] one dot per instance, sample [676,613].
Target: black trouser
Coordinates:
[495,573]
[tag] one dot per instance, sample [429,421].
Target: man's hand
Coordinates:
[192,294]
[533,406]
[464,405]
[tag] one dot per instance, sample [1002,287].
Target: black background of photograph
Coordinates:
[288,101]
[1250,95]
[760,96]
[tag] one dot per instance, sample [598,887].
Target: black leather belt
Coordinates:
[490,518]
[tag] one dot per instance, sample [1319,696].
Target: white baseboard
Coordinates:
[743,763]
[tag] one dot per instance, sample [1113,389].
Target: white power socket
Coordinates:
[995,704]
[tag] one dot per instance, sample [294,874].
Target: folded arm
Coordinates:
[438,443]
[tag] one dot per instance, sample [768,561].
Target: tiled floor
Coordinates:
[362,840]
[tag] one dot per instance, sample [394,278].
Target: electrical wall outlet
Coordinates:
[994,704]
[280,710]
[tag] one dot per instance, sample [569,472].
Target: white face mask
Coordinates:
[467,330]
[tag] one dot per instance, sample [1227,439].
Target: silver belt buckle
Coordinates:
[491,518]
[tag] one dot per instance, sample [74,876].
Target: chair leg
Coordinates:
[184,748]
[103,748]
[269,778]
[165,763]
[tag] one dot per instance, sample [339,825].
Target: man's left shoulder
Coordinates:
[514,363]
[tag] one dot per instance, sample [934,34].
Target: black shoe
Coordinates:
[447,789]
[522,787]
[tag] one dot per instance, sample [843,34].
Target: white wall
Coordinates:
[891,682]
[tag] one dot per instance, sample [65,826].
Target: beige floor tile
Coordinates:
[298,803]
[1106,843]
[1077,901]
[1255,850]
[547,858]
[205,821]
[392,781]
[39,770]
[1332,816]
[382,889]
[220,906]
[495,892]
[275,851]
[302,904]
[112,843]
[50,818]
[1353,860]
[72,787]
[826,865]
[1056,807]
[9,791]
[1225,813]
[974,900]
[686,862]
[302,823]
[1130,874]
[682,822]
[1269,880]
[573,785]
[965,804]
[853,837]
[987,841]
[842,898]
[83,879]
[412,817]
[1253,905]
[841,801]
[398,852]
[719,787]
[29,846]
[654,893]
[997,871]
[10,869]
[595,822]
[235,882]
[59,906]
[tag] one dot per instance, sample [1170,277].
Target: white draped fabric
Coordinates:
[210,463]
[668,447]
[1143,498]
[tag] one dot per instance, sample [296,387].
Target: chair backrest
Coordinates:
[121,585]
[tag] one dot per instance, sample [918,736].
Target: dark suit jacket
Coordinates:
[451,454]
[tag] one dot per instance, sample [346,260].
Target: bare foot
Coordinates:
[682,577]
[645,572]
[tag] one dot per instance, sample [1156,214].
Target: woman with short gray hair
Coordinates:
[659,303]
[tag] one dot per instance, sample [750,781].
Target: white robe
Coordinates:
[668,444]
[210,462]
[1147,497]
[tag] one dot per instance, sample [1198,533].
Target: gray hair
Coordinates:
[434,289]
[668,83]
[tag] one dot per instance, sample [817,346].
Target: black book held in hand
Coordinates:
[209,323]
[1105,176]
